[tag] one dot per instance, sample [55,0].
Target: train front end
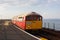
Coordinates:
[33,22]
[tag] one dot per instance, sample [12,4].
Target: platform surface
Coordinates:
[9,32]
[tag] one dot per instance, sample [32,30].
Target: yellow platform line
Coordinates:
[41,38]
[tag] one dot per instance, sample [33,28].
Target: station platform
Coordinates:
[12,32]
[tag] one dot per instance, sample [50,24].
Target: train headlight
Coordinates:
[29,27]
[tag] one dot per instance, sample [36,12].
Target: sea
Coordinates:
[52,24]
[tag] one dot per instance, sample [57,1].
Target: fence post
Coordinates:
[45,24]
[48,25]
[54,26]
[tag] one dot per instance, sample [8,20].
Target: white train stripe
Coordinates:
[28,33]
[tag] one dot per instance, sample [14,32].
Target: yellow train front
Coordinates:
[32,21]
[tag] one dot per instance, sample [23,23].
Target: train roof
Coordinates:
[27,14]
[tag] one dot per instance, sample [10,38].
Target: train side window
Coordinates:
[20,18]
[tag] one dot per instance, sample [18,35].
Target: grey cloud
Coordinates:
[19,2]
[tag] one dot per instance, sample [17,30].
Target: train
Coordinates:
[30,21]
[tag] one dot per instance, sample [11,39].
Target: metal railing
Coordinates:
[54,26]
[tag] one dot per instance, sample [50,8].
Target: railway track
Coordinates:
[49,36]
[45,34]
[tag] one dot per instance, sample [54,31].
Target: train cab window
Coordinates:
[28,18]
[36,18]
[20,18]
[33,18]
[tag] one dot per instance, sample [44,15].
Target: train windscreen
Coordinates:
[33,18]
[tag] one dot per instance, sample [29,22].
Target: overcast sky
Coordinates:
[47,8]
